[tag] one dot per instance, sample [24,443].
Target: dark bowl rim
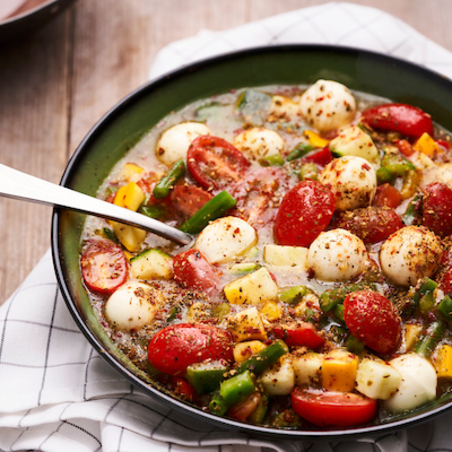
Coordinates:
[104,121]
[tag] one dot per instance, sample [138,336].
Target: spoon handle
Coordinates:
[18,185]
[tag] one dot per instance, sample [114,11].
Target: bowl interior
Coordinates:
[125,124]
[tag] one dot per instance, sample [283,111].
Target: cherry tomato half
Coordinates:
[193,271]
[215,163]
[104,266]
[387,196]
[371,224]
[304,213]
[402,118]
[245,408]
[188,199]
[374,320]
[258,195]
[333,409]
[321,158]
[176,347]
[437,208]
[299,335]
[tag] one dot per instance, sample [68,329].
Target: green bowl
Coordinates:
[121,128]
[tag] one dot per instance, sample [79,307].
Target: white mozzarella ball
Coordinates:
[258,143]
[417,386]
[410,253]
[337,255]
[352,180]
[225,239]
[175,141]
[328,105]
[132,306]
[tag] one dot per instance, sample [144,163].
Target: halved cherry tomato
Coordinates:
[182,388]
[176,347]
[258,195]
[104,266]
[443,143]
[374,320]
[387,196]
[215,163]
[371,224]
[446,282]
[333,409]
[304,213]
[193,271]
[402,118]
[321,158]
[437,208]
[187,199]
[299,335]
[244,409]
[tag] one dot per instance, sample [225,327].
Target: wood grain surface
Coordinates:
[56,84]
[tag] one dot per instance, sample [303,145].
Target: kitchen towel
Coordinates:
[57,393]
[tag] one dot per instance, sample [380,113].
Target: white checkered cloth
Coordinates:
[57,393]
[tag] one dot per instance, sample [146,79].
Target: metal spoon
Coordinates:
[18,185]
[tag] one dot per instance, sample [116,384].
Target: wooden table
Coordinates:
[57,83]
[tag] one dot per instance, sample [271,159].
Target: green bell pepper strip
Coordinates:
[384,175]
[292,295]
[154,211]
[272,160]
[264,358]
[217,405]
[412,211]
[339,312]
[445,308]
[354,345]
[427,286]
[300,151]
[427,344]
[308,171]
[396,164]
[236,388]
[333,297]
[165,184]
[206,377]
[211,210]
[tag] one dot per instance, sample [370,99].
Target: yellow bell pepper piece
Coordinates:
[244,350]
[130,236]
[426,145]
[315,139]
[339,371]
[130,196]
[443,362]
[130,170]
[271,310]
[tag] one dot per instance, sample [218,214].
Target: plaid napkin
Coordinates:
[57,393]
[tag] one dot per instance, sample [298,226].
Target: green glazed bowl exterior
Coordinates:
[121,128]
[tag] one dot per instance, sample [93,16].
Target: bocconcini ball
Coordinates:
[352,180]
[132,306]
[225,239]
[418,384]
[258,143]
[328,105]
[175,141]
[337,255]
[411,253]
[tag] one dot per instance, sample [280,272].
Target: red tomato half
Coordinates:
[104,266]
[193,271]
[182,388]
[402,118]
[215,163]
[188,199]
[374,320]
[333,409]
[299,335]
[372,224]
[387,196]
[304,213]
[446,282]
[321,158]
[245,408]
[258,195]
[176,347]
[437,208]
